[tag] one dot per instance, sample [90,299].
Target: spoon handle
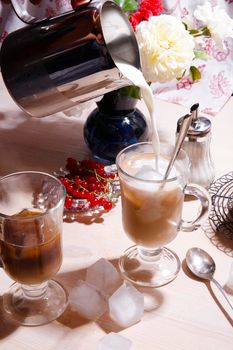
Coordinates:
[181,136]
[223,292]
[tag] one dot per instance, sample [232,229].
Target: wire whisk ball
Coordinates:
[221,215]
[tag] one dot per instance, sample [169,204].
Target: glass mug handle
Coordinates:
[203,195]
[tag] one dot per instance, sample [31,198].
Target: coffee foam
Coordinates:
[152,170]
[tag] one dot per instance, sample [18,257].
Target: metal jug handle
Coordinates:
[25,17]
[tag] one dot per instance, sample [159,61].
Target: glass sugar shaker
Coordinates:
[197,146]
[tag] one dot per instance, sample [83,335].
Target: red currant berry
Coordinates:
[69,188]
[111,176]
[85,163]
[90,179]
[101,201]
[103,182]
[68,202]
[89,196]
[92,187]
[77,180]
[107,205]
[65,181]
[83,194]
[84,184]
[99,165]
[99,171]
[76,193]
[93,202]
[98,188]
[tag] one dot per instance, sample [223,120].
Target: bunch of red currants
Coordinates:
[88,185]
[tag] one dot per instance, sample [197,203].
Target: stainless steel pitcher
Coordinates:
[56,63]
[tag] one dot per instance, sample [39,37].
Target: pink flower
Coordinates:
[220,85]
[146,9]
[152,5]
[140,16]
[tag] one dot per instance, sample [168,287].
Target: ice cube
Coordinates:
[88,300]
[114,341]
[104,276]
[154,171]
[126,305]
[147,173]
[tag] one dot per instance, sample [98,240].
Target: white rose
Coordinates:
[218,22]
[166,48]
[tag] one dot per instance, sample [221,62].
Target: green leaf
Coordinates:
[201,55]
[195,73]
[194,31]
[127,5]
[206,32]
[179,78]
[185,25]
[132,91]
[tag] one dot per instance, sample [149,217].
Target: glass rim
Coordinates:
[133,177]
[10,217]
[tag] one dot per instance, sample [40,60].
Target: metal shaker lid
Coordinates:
[199,126]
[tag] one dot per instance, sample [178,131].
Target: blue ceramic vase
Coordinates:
[115,124]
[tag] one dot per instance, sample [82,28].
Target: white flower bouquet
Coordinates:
[168,46]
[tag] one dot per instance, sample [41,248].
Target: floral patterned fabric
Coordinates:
[216,84]
[211,92]
[39,8]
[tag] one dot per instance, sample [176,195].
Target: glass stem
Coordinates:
[34,291]
[149,254]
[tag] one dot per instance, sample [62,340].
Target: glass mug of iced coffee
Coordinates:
[152,211]
[31,217]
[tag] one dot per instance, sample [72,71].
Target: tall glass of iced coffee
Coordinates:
[152,211]
[31,216]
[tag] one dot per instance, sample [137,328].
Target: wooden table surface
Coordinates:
[184,315]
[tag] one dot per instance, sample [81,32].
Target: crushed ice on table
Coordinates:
[114,341]
[104,276]
[88,300]
[126,305]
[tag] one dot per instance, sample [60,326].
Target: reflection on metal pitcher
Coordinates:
[57,63]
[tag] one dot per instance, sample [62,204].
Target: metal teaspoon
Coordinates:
[201,264]
[179,141]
